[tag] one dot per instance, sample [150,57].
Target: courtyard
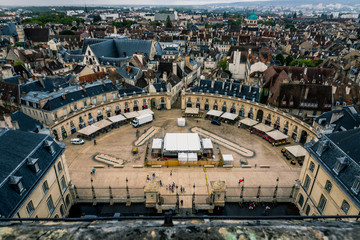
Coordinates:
[266,164]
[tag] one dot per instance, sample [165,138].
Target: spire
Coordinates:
[86,10]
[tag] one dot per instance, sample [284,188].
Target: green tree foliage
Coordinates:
[67,32]
[17,63]
[306,62]
[96,18]
[53,18]
[168,22]
[223,64]
[237,22]
[281,58]
[288,60]
[155,23]
[125,23]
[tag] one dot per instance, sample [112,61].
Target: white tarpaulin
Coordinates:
[229,116]
[248,122]
[157,144]
[263,128]
[117,118]
[179,142]
[102,124]
[145,111]
[192,157]
[296,151]
[181,122]
[277,135]
[130,115]
[214,113]
[207,144]
[228,157]
[182,157]
[192,110]
[89,130]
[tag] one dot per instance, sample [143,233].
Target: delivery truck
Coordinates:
[142,119]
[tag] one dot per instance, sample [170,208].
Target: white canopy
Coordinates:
[296,150]
[130,115]
[248,122]
[145,111]
[89,130]
[181,122]
[157,143]
[179,142]
[263,128]
[229,116]
[215,113]
[277,135]
[228,157]
[117,118]
[192,157]
[192,110]
[182,157]
[102,124]
[207,144]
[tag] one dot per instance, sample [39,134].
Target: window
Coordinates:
[62,210]
[301,200]
[94,100]
[75,107]
[30,208]
[307,182]
[89,116]
[104,98]
[322,203]
[63,184]
[85,104]
[50,204]
[45,187]
[67,200]
[59,167]
[356,185]
[345,206]
[312,167]
[114,95]
[337,167]
[328,186]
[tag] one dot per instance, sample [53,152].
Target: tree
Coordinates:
[294,16]
[155,23]
[67,32]
[281,58]
[168,22]
[223,64]
[97,18]
[17,63]
[288,60]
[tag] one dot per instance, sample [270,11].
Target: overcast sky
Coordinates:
[114,2]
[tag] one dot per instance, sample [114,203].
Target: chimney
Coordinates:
[165,76]
[174,69]
[306,93]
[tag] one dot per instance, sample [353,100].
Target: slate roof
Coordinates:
[15,149]
[341,144]
[349,120]
[238,90]
[50,83]
[25,122]
[37,34]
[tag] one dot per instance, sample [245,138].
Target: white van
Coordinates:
[77,141]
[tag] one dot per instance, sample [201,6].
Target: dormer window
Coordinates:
[50,146]
[16,183]
[33,164]
[322,147]
[356,185]
[341,163]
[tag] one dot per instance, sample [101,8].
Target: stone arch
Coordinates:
[259,115]
[303,136]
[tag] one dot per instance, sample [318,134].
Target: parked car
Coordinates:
[216,122]
[77,141]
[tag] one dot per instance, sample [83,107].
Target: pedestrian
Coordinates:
[240,181]
[147,178]
[167,187]
[94,142]
[170,173]
[92,179]
[255,165]
[160,183]
[93,171]
[181,188]
[182,202]
[153,175]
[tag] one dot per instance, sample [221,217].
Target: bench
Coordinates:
[264,166]
[228,166]
[209,166]
[99,166]
[137,166]
[156,166]
[119,166]
[245,166]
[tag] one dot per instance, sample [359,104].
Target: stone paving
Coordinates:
[119,143]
